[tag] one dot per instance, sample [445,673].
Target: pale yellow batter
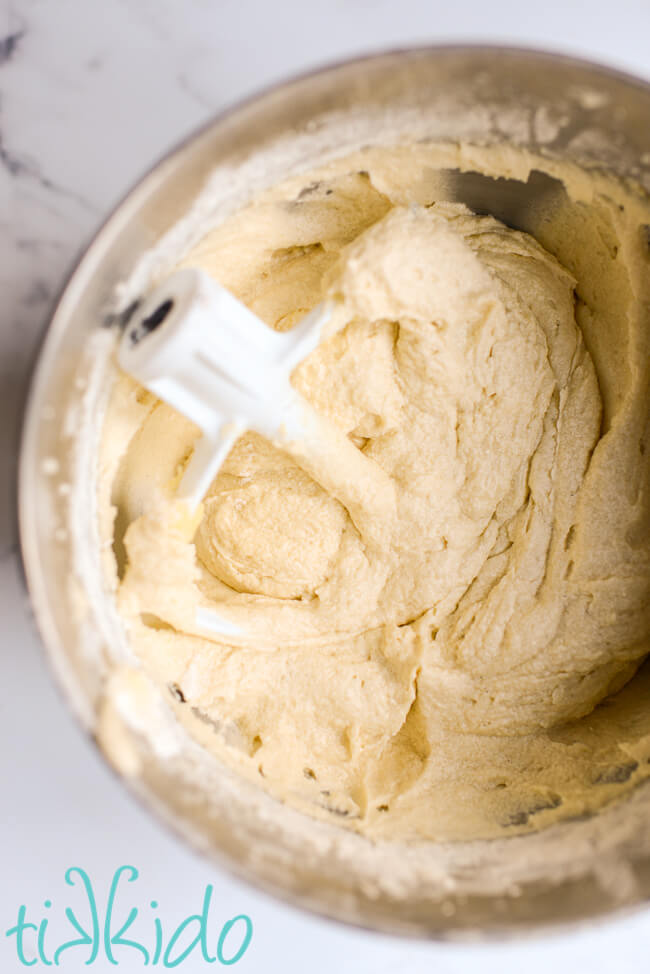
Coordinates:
[429,678]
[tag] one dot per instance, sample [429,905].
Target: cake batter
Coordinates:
[438,679]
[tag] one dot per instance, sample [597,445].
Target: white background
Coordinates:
[90,94]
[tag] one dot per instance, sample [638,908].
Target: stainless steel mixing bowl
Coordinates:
[556,106]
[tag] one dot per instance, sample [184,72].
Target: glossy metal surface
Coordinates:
[483,94]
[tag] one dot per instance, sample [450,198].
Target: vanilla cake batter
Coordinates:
[439,678]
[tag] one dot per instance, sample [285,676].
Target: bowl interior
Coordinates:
[554,107]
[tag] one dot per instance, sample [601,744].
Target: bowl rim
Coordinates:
[29,563]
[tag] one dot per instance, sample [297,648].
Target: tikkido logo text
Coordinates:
[123,933]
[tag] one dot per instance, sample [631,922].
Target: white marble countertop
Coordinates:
[90,95]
